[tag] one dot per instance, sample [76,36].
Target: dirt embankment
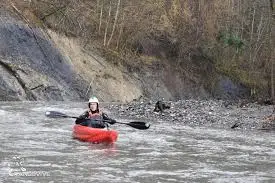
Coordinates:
[40,64]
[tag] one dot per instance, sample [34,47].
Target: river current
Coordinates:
[35,148]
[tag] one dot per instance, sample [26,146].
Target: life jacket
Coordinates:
[97,115]
[97,122]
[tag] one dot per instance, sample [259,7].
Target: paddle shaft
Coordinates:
[137,125]
[104,120]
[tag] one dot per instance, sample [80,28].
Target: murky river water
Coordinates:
[34,148]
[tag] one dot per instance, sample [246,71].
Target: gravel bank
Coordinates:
[212,113]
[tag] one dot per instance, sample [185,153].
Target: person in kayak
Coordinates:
[93,117]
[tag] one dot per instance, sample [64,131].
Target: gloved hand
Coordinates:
[82,118]
[108,120]
[112,121]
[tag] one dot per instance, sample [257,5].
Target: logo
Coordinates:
[17,167]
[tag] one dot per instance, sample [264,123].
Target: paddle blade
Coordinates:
[139,125]
[55,114]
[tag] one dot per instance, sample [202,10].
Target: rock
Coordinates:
[269,123]
[31,67]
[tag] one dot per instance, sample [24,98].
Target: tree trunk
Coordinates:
[100,17]
[115,22]
[252,89]
[107,25]
[272,58]
[120,31]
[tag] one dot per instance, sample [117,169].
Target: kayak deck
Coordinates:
[94,135]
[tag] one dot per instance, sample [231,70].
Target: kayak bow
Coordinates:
[94,135]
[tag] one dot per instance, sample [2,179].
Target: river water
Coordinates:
[34,148]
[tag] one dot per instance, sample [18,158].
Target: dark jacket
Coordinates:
[100,121]
[160,106]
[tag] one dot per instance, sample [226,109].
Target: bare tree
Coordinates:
[100,16]
[115,22]
[120,31]
[107,24]
[252,91]
[272,58]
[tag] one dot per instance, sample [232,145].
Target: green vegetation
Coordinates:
[230,39]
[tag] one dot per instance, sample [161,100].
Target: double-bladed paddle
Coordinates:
[135,124]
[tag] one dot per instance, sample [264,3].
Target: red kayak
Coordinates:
[94,135]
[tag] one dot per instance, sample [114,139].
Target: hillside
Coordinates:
[121,51]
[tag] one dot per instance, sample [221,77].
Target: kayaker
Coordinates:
[93,117]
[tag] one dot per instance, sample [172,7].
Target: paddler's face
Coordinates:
[93,106]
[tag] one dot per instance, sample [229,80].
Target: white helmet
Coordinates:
[93,99]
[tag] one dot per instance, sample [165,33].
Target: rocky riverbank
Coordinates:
[209,113]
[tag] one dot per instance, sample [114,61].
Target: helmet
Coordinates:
[93,99]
